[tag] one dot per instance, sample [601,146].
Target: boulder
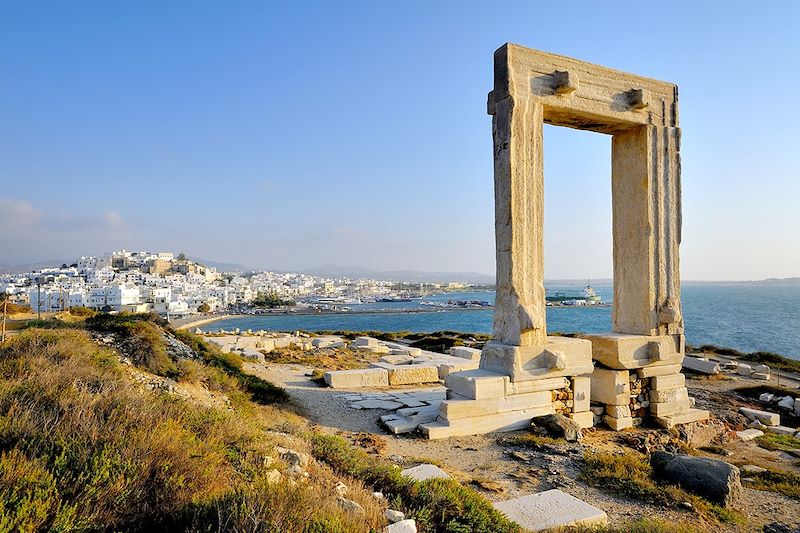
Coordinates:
[559,426]
[713,479]
[766,397]
[744,369]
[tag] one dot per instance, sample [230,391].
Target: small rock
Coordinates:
[766,397]
[749,434]
[394,516]
[777,527]
[273,476]
[424,471]
[787,402]
[559,426]
[378,495]
[350,506]
[403,526]
[751,469]
[687,505]
[340,488]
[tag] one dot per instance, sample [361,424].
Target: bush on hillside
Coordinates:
[438,505]
[83,447]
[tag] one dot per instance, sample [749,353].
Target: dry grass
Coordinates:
[326,358]
[642,525]
[84,448]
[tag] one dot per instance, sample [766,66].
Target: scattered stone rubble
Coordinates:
[252,344]
[771,421]
[402,365]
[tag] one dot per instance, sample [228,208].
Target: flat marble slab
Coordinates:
[551,509]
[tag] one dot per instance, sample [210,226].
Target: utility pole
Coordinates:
[39,297]
[5,312]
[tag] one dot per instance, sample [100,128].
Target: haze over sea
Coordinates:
[747,317]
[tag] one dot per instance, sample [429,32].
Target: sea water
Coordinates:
[747,317]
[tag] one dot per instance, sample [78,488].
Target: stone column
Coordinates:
[519,317]
[647,231]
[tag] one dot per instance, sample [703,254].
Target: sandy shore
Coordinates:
[197,322]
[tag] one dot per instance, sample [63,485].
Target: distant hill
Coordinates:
[411,276]
[31,267]
[780,281]
[221,267]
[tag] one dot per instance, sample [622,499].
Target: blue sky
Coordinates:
[296,134]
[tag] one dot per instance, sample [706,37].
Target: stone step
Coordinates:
[477,425]
[618,424]
[536,385]
[677,407]
[446,369]
[693,415]
[477,384]
[455,409]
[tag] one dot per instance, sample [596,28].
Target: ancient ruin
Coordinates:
[524,372]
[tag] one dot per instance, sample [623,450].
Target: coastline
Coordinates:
[203,321]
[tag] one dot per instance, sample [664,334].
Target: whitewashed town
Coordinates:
[173,286]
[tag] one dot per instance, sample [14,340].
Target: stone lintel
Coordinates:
[606,100]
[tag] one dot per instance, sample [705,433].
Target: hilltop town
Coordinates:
[174,286]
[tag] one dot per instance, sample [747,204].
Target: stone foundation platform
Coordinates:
[515,385]
[639,377]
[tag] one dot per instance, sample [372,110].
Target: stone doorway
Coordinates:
[521,362]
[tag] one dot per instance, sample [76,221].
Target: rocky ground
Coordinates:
[502,469]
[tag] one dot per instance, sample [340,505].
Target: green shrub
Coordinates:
[786,483]
[438,505]
[261,391]
[85,448]
[81,311]
[773,360]
[148,349]
[775,441]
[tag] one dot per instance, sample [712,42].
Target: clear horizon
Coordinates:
[293,136]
